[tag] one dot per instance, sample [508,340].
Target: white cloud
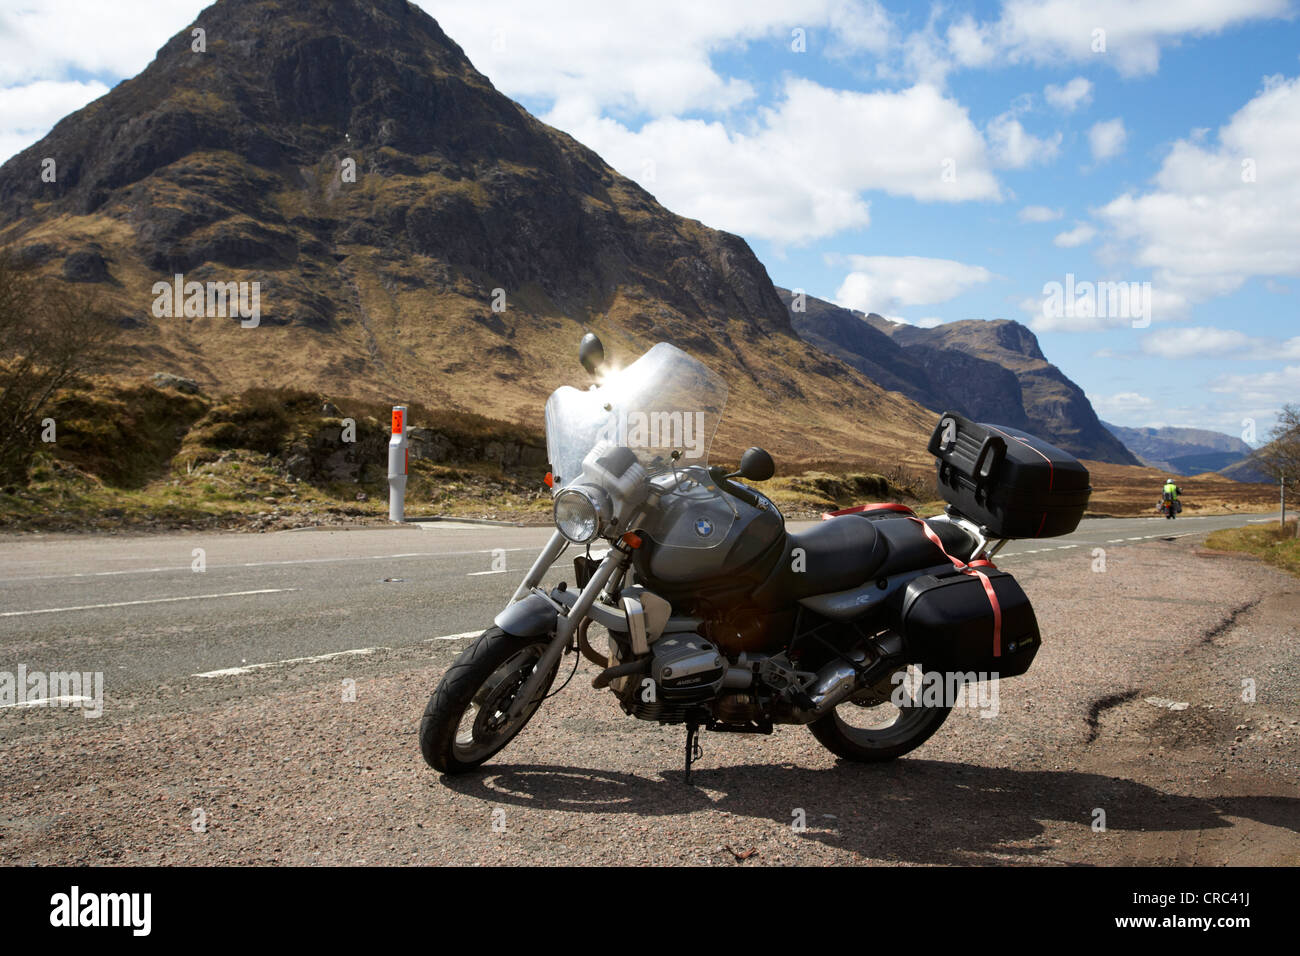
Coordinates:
[1106,139]
[1039,214]
[1192,342]
[925,54]
[1198,341]
[1267,389]
[1080,234]
[1220,213]
[879,283]
[27,112]
[40,41]
[591,56]
[855,27]
[799,171]
[1068,98]
[970,43]
[1050,32]
[1014,148]
[654,59]
[1122,403]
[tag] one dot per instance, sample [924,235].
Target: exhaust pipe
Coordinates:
[835,682]
[838,681]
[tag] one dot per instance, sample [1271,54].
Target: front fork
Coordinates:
[565,624]
[554,548]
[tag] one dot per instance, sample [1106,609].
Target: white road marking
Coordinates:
[62,701]
[452,637]
[474,574]
[249,668]
[188,597]
[267,564]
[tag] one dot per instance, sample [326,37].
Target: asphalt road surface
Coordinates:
[228,661]
[139,609]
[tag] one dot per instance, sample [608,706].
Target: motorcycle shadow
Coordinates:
[913,810]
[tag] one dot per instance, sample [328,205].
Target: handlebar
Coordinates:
[719,476]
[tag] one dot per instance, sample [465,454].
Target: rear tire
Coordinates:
[849,739]
[462,725]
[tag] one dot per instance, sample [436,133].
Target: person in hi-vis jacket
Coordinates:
[1170,495]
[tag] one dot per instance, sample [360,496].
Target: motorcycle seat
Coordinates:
[909,548]
[850,550]
[831,556]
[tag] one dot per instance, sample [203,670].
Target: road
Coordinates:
[272,684]
[140,609]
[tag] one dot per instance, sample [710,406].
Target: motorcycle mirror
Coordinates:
[756,465]
[591,353]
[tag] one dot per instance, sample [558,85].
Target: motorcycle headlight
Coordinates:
[580,512]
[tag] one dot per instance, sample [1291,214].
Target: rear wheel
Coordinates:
[881,722]
[465,722]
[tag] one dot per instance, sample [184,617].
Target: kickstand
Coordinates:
[693,750]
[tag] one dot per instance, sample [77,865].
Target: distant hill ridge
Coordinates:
[1184,451]
[988,370]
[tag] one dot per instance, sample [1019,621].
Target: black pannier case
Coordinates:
[1015,485]
[947,621]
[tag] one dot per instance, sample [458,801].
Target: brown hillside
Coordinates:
[228,165]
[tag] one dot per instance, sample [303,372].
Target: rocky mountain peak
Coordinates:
[414,233]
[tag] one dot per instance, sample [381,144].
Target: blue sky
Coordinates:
[927,162]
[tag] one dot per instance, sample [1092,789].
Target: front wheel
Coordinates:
[882,722]
[465,722]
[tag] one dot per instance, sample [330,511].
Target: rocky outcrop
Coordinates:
[168,380]
[991,371]
[323,455]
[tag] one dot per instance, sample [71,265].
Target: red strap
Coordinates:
[858,509]
[972,568]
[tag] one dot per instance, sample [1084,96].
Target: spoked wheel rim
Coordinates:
[873,718]
[484,727]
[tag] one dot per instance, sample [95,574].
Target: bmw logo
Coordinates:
[704,527]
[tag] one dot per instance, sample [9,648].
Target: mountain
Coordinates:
[988,370]
[415,235]
[1183,451]
[1248,469]
[924,375]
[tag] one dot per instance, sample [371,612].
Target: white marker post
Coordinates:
[397,462]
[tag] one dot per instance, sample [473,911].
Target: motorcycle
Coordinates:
[1169,507]
[865,628]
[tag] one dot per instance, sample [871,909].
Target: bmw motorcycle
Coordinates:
[717,617]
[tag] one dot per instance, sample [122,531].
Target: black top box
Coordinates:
[1015,485]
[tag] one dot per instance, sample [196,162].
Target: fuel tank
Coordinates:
[719,575]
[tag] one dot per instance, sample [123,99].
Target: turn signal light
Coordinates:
[550,480]
[632,540]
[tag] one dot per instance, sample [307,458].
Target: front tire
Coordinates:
[464,723]
[869,727]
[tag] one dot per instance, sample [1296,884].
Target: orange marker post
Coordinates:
[397,460]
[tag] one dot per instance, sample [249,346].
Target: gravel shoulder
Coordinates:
[279,768]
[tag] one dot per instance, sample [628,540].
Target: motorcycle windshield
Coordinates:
[664,402]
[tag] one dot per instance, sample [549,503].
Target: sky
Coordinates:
[928,162]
